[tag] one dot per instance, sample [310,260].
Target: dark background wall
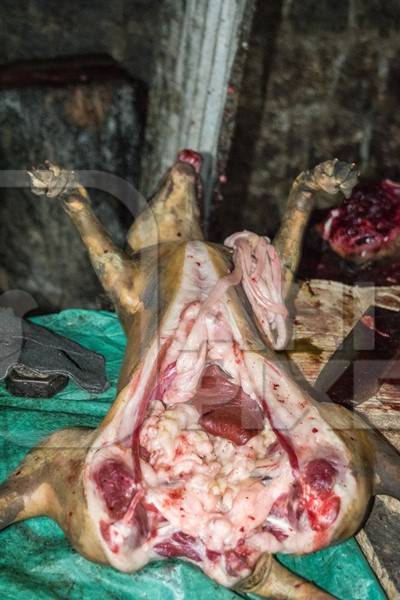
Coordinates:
[322,79]
[80,125]
[128,30]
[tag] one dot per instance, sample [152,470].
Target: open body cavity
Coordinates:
[214,455]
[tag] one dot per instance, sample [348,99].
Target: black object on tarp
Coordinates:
[37,361]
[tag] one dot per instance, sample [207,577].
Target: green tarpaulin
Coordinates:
[36,560]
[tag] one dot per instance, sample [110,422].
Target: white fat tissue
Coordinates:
[213,476]
[212,501]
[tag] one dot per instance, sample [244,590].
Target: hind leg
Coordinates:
[330,177]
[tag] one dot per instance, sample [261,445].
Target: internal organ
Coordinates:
[221,488]
[225,409]
[221,458]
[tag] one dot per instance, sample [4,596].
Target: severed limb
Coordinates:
[330,177]
[114,269]
[273,581]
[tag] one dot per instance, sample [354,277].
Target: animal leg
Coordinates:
[273,581]
[19,497]
[173,214]
[30,490]
[49,481]
[330,177]
[113,268]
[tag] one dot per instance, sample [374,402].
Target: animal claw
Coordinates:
[51,180]
[333,176]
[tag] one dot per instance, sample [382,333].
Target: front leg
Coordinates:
[113,268]
[330,177]
[272,581]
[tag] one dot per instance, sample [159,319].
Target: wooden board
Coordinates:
[325,312]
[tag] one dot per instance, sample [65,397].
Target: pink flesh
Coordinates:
[117,485]
[225,409]
[366,223]
[258,266]
[216,456]
[191,158]
[181,545]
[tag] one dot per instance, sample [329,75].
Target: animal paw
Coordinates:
[52,181]
[333,176]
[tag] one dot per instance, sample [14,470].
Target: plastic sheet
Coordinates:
[36,560]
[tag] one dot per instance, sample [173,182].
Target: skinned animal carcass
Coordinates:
[210,452]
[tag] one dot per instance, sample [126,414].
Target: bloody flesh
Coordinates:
[229,454]
[225,409]
[367,224]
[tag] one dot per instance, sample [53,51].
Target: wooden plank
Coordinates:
[325,311]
